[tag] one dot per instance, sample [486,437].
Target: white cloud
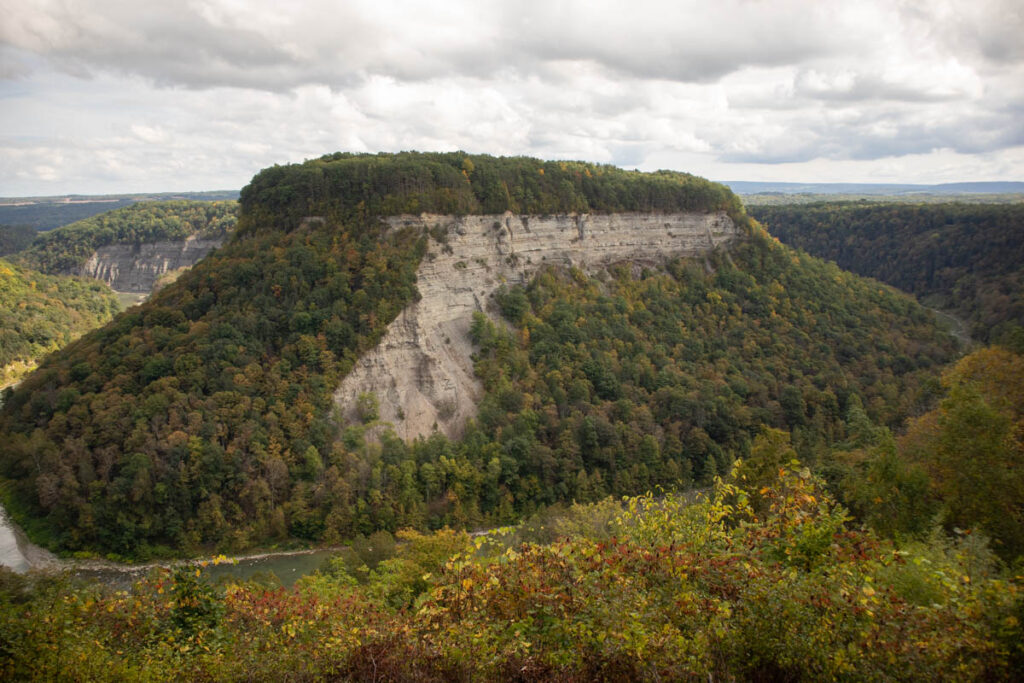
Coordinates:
[203,93]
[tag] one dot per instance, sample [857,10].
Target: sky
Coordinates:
[112,96]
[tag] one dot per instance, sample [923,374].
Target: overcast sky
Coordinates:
[135,95]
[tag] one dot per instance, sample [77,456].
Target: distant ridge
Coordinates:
[46,213]
[745,187]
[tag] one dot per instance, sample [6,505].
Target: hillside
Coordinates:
[41,313]
[130,247]
[205,418]
[965,258]
[47,213]
[14,238]
[421,374]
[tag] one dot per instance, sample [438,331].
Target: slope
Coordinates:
[40,313]
[966,258]
[204,418]
[129,247]
[204,415]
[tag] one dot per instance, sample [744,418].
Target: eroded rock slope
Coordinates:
[422,372]
[135,267]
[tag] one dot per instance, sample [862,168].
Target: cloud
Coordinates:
[158,95]
[205,43]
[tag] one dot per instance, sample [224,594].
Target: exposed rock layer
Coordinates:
[135,267]
[422,371]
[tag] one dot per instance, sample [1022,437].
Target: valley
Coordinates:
[389,351]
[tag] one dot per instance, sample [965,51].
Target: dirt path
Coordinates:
[956,326]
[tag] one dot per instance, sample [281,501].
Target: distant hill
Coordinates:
[130,247]
[46,213]
[743,188]
[14,238]
[966,258]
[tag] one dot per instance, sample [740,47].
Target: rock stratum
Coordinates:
[134,268]
[421,372]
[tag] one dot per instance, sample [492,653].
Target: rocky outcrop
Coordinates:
[135,267]
[422,371]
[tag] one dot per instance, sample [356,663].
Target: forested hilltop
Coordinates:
[40,313]
[966,258]
[64,250]
[202,419]
[344,187]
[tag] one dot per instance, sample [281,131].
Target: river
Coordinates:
[10,550]
[21,555]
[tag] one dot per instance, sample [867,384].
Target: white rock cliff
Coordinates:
[135,267]
[422,372]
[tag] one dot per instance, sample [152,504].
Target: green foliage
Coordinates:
[968,258]
[367,407]
[66,249]
[958,464]
[14,238]
[704,589]
[770,453]
[609,385]
[195,607]
[202,417]
[971,446]
[41,313]
[342,186]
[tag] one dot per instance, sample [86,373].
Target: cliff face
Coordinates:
[134,268]
[422,372]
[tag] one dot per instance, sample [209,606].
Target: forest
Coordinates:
[665,460]
[64,250]
[646,589]
[47,213]
[203,419]
[964,258]
[41,313]
[14,238]
[343,187]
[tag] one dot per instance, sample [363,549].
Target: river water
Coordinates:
[10,551]
[18,553]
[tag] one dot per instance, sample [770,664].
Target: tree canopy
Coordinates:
[342,186]
[966,258]
[66,249]
[41,313]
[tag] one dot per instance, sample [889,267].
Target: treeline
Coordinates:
[343,186]
[43,214]
[66,249]
[46,213]
[967,258]
[41,313]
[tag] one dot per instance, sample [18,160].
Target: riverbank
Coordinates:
[18,553]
